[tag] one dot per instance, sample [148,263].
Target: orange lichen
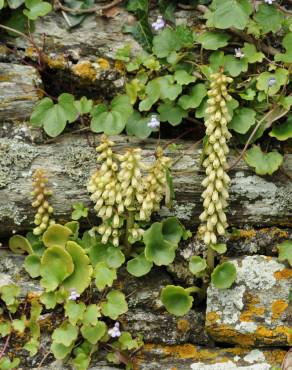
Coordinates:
[85,70]
[268,336]
[103,63]
[212,317]
[183,325]
[275,232]
[251,309]
[278,307]
[283,274]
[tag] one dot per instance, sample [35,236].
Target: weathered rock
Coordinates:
[188,356]
[192,357]
[70,161]
[255,311]
[18,91]
[240,242]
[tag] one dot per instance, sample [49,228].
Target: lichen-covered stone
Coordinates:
[70,161]
[18,91]
[239,242]
[187,356]
[255,310]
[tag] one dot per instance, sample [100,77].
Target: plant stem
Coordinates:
[129,225]
[210,258]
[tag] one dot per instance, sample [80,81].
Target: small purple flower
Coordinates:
[272,81]
[73,295]
[238,53]
[158,24]
[270,2]
[154,122]
[115,331]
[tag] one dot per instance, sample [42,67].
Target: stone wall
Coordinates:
[246,327]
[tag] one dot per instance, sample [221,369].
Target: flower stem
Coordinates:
[210,258]
[129,225]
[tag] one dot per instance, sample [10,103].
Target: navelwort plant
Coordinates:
[77,272]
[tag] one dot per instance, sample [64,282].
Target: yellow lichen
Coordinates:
[212,317]
[247,234]
[58,62]
[85,70]
[103,63]
[120,66]
[278,307]
[275,232]
[183,325]
[283,274]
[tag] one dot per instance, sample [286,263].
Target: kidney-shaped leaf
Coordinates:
[197,264]
[172,230]
[176,300]
[104,276]
[80,279]
[65,334]
[115,305]
[56,235]
[264,163]
[139,266]
[224,275]
[94,333]
[19,245]
[56,266]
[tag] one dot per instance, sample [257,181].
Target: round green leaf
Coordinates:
[74,311]
[37,8]
[269,18]
[83,105]
[232,13]
[197,264]
[115,305]
[139,266]
[60,351]
[56,266]
[264,163]
[242,120]
[104,276]
[94,333]
[283,131]
[183,77]
[194,99]
[219,248]
[32,265]
[81,277]
[19,245]
[65,334]
[172,230]
[212,40]
[176,300]
[91,315]
[137,126]
[158,250]
[56,235]
[165,43]
[169,112]
[285,251]
[114,257]
[224,275]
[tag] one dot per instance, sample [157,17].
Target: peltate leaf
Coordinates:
[56,266]
[56,235]
[176,300]
[197,264]
[224,275]
[81,277]
[139,266]
[283,131]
